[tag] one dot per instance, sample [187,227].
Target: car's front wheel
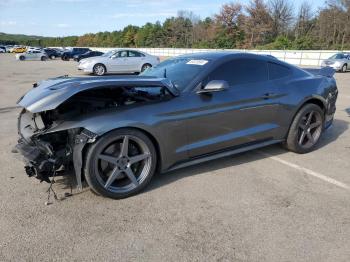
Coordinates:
[43,58]
[22,58]
[121,163]
[99,69]
[344,68]
[306,129]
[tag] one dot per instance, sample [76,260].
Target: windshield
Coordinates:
[338,56]
[109,53]
[180,71]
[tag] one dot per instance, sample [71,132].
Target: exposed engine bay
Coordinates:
[49,153]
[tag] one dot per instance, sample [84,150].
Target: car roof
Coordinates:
[219,55]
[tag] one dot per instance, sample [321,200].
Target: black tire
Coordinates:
[98,170]
[344,68]
[145,67]
[65,58]
[22,58]
[306,129]
[99,70]
[43,58]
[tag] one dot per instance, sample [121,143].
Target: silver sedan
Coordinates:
[340,62]
[32,55]
[118,61]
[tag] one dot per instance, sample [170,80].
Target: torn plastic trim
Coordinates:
[80,141]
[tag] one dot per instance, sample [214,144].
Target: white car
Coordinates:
[118,61]
[32,55]
[30,48]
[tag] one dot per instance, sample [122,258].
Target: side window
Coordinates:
[241,71]
[134,54]
[122,53]
[277,71]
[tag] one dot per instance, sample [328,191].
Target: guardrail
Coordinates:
[295,57]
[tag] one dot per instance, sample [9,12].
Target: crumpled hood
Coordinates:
[50,93]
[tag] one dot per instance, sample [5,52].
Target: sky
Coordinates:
[77,17]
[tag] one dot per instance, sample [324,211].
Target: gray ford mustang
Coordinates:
[117,132]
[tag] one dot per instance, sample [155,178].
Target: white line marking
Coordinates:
[307,171]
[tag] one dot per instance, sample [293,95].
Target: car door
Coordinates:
[119,62]
[243,114]
[37,55]
[135,60]
[30,55]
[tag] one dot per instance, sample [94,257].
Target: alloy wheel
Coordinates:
[310,129]
[124,164]
[99,70]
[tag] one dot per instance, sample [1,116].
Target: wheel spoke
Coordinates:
[125,147]
[302,126]
[310,137]
[138,158]
[107,158]
[302,137]
[131,176]
[114,175]
[309,118]
[316,124]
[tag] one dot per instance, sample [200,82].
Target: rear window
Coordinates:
[277,71]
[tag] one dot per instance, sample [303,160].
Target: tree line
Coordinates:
[271,24]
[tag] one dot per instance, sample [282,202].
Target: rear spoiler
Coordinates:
[324,71]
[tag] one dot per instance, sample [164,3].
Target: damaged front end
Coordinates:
[58,116]
[47,154]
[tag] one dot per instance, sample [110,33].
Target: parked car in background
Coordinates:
[32,55]
[340,62]
[33,48]
[72,52]
[87,55]
[8,48]
[118,132]
[2,50]
[118,61]
[52,53]
[20,49]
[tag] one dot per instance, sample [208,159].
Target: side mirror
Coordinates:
[214,86]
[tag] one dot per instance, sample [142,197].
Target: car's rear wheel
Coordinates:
[121,163]
[99,69]
[306,129]
[22,58]
[43,58]
[145,67]
[344,68]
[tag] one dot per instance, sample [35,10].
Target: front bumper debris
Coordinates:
[38,163]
